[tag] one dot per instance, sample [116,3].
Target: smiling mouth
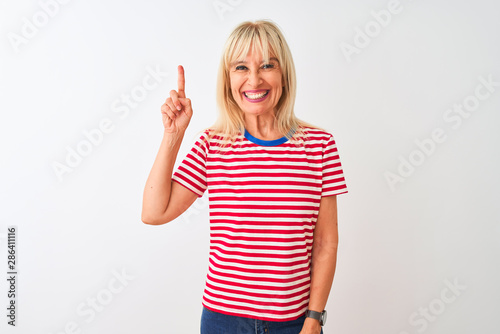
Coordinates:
[253,96]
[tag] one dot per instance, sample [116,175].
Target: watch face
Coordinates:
[323,318]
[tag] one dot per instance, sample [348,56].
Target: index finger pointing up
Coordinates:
[181,81]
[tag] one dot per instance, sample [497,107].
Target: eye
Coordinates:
[266,66]
[241,67]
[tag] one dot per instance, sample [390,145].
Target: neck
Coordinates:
[262,126]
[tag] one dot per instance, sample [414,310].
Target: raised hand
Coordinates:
[176,111]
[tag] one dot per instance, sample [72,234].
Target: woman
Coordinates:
[272,181]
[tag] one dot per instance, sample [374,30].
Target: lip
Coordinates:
[256,91]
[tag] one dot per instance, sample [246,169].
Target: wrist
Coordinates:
[172,141]
[312,325]
[173,137]
[320,317]
[173,133]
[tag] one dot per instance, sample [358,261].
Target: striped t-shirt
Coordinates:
[264,197]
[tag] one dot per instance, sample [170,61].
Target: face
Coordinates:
[256,86]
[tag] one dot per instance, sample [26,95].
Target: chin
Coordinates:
[254,111]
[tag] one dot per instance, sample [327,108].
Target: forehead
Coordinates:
[253,51]
[255,59]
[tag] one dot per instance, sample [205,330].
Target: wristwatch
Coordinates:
[320,316]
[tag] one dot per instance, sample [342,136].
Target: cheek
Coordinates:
[231,89]
[234,86]
[278,83]
[280,92]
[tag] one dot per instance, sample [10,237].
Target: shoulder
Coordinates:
[210,133]
[201,138]
[208,136]
[316,134]
[205,133]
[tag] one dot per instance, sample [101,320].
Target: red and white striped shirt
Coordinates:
[264,198]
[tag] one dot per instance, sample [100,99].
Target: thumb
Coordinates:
[186,103]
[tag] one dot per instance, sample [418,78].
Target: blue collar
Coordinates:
[267,142]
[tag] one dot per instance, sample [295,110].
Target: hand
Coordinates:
[175,120]
[311,326]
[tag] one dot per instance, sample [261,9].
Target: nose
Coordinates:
[254,78]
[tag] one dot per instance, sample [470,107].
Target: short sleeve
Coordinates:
[192,172]
[333,174]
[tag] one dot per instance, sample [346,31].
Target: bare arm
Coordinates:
[164,200]
[324,260]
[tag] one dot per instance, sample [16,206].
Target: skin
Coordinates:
[254,74]
[324,260]
[164,200]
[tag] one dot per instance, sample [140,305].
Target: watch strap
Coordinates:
[315,315]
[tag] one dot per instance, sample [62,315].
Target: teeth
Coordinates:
[255,96]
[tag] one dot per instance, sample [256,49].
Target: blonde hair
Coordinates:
[270,42]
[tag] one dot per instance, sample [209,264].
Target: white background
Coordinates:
[399,245]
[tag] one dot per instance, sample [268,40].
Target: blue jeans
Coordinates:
[219,323]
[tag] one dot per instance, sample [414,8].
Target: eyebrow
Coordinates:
[244,62]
